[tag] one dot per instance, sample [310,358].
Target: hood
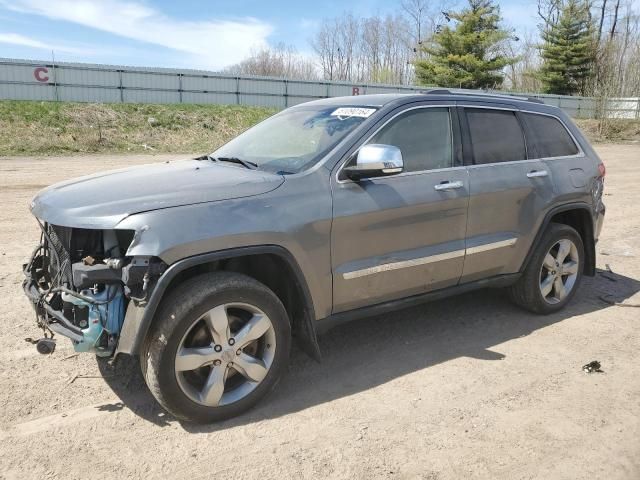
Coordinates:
[102,200]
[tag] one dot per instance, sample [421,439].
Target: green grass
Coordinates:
[614,130]
[50,128]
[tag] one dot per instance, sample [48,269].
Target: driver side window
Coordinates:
[423,136]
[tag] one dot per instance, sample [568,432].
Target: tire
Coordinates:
[528,291]
[184,322]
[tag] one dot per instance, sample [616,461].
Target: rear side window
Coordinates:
[547,137]
[496,136]
[423,136]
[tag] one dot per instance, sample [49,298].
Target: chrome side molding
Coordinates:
[414,262]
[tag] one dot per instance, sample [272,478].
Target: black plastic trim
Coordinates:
[589,243]
[402,303]
[465,135]
[524,130]
[174,269]
[458,159]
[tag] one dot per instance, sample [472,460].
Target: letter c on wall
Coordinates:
[41,74]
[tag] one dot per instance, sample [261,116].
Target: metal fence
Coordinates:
[79,82]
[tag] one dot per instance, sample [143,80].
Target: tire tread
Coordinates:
[525,292]
[179,303]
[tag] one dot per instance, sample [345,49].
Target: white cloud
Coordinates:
[18,39]
[211,43]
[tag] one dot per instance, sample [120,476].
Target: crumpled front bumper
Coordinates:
[47,316]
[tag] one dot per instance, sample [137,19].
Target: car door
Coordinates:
[404,234]
[549,139]
[508,192]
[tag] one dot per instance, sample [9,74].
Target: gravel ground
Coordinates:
[468,387]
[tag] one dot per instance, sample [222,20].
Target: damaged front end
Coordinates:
[80,282]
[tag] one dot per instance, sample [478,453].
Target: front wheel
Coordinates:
[218,345]
[553,273]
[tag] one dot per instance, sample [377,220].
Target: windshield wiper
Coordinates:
[239,161]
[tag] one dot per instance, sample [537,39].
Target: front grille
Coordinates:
[59,259]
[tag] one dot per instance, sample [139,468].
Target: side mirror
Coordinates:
[376,160]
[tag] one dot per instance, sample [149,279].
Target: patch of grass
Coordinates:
[51,128]
[611,129]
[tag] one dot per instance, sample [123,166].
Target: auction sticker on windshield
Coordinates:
[353,112]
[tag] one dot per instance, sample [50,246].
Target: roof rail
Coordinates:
[436,91]
[445,91]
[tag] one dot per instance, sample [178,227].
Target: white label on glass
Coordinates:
[353,112]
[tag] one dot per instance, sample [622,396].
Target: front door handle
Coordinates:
[537,173]
[447,185]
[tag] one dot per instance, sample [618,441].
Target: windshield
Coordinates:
[294,139]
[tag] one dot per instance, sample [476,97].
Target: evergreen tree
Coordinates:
[568,51]
[469,55]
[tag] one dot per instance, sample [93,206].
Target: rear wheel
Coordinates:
[554,272]
[219,344]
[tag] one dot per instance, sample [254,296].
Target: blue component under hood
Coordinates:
[102,200]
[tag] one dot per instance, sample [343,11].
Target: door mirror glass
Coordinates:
[376,160]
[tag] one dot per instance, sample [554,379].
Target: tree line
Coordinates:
[580,47]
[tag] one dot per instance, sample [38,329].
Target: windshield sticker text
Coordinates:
[353,112]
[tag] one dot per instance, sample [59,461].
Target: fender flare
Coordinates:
[589,242]
[138,319]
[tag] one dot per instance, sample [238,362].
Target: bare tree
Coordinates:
[603,9]
[417,12]
[382,48]
[521,76]
[615,20]
[279,61]
[372,49]
[549,10]
[325,46]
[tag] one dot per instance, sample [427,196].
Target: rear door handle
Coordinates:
[537,173]
[447,185]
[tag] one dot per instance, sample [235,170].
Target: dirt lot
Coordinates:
[469,387]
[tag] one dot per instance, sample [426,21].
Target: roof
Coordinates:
[374,100]
[380,100]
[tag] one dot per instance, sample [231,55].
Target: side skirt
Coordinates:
[334,320]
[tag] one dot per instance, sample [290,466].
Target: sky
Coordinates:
[204,34]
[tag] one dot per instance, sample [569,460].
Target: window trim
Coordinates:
[454,132]
[467,134]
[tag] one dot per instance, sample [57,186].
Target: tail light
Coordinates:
[598,185]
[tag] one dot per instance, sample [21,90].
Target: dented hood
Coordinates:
[104,199]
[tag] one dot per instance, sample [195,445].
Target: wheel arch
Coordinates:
[578,216]
[272,265]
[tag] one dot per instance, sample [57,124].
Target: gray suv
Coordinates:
[328,211]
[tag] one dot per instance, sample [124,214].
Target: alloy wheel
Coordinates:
[559,271]
[225,354]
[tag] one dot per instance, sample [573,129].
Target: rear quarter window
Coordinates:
[547,137]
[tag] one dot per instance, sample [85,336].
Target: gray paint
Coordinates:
[394,219]
[103,199]
[356,244]
[296,216]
